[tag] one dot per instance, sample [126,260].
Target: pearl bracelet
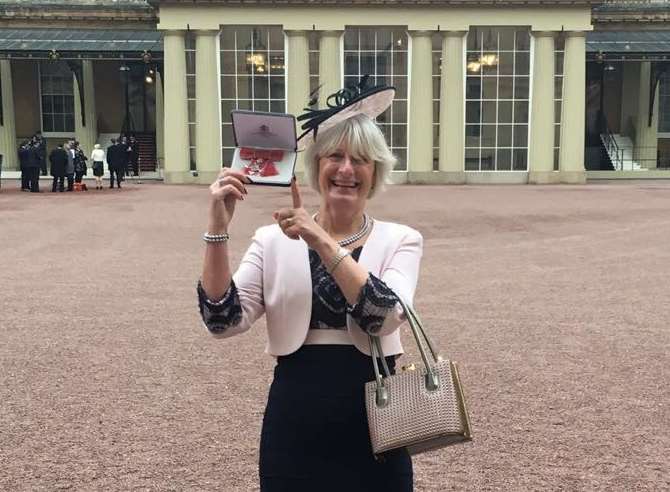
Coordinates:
[215,238]
[334,262]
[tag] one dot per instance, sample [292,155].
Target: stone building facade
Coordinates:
[487,92]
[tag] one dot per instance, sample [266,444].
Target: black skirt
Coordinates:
[315,433]
[98,169]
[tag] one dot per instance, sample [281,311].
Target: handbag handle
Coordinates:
[431,380]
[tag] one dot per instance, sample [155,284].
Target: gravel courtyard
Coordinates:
[554,300]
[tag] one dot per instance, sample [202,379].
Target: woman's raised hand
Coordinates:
[224,194]
[295,222]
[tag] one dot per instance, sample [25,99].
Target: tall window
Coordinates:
[313,60]
[57,97]
[558,96]
[252,75]
[438,64]
[497,90]
[664,104]
[190,95]
[381,52]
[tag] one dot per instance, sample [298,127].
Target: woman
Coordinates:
[324,283]
[98,157]
[80,168]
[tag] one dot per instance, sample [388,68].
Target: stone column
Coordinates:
[207,106]
[80,133]
[297,90]
[176,109]
[8,145]
[160,125]
[330,65]
[542,118]
[420,152]
[571,159]
[452,111]
[646,136]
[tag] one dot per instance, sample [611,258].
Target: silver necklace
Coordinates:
[365,228]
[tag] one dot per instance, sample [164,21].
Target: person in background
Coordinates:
[98,158]
[58,159]
[24,150]
[134,155]
[69,169]
[33,166]
[41,143]
[125,154]
[114,162]
[80,159]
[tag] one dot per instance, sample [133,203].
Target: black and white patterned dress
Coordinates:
[315,434]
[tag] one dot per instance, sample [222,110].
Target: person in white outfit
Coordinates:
[98,157]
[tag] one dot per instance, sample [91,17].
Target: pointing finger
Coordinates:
[295,193]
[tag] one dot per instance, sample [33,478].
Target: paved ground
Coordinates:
[554,300]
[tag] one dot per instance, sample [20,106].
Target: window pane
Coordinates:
[399,62]
[277,106]
[522,63]
[472,135]
[228,87]
[489,88]
[523,40]
[261,89]
[506,63]
[472,159]
[505,85]
[488,159]
[227,156]
[521,112]
[520,135]
[277,87]
[276,38]
[58,104]
[226,107]
[504,111]
[506,41]
[69,123]
[519,160]
[401,155]
[472,111]
[488,135]
[400,111]
[504,160]
[227,62]
[504,135]
[521,88]
[473,87]
[227,136]
[399,137]
[47,105]
[489,112]
[367,39]
[260,105]
[277,63]
[351,63]
[400,84]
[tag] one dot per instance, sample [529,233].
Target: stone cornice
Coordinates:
[34,14]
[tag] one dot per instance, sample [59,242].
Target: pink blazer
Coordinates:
[274,278]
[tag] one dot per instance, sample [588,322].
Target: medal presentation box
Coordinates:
[265,146]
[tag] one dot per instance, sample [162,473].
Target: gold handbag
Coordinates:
[418,409]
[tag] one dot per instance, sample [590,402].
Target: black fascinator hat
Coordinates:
[348,102]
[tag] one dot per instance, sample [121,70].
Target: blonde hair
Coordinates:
[363,139]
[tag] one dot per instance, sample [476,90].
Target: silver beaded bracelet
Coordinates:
[215,238]
[335,261]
